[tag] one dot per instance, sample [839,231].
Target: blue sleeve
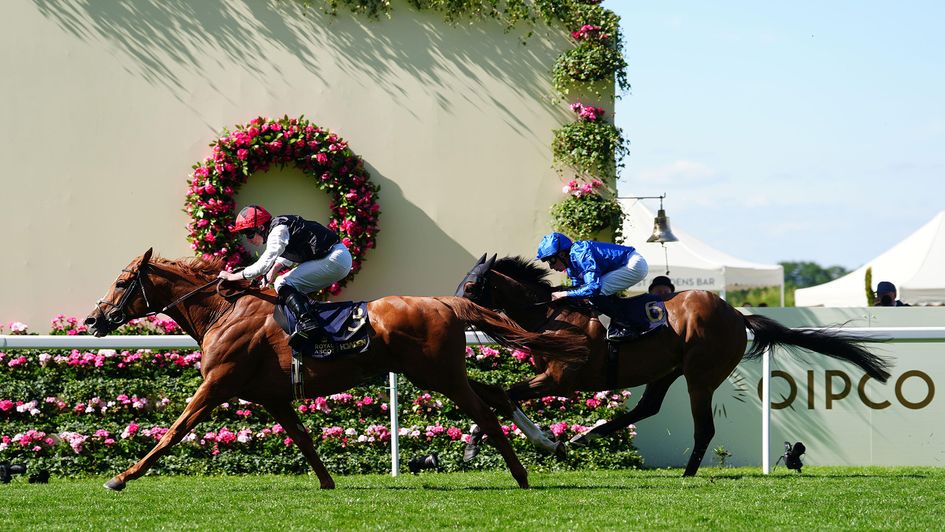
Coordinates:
[587,268]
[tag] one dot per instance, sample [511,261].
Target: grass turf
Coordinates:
[729,498]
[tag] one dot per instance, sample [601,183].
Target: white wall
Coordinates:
[107,105]
[837,428]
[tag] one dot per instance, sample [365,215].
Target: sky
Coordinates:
[787,131]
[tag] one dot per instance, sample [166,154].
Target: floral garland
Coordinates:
[255,147]
[589,145]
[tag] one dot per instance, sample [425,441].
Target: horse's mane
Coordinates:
[194,266]
[535,277]
[524,271]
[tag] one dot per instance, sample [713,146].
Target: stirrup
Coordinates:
[619,333]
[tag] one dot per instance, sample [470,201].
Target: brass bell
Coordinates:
[661,231]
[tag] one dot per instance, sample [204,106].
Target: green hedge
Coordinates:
[97,412]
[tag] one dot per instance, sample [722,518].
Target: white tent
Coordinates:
[915,265]
[692,263]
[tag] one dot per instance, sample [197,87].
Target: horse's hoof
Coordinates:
[561,450]
[581,440]
[328,485]
[114,485]
[471,452]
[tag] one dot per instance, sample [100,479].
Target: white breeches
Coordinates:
[314,275]
[623,278]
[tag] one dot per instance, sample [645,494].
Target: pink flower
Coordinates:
[129,431]
[557,429]
[321,158]
[242,154]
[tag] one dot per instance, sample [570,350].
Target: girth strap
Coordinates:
[613,364]
[297,376]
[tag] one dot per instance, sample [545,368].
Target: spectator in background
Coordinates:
[886,295]
[661,286]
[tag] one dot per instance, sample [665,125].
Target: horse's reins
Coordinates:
[184,297]
[118,314]
[217,280]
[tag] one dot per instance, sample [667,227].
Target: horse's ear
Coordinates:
[146,257]
[481,260]
[491,261]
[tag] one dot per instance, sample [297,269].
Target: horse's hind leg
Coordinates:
[202,403]
[289,420]
[700,401]
[649,405]
[470,403]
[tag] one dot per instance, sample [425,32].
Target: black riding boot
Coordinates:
[305,315]
[619,331]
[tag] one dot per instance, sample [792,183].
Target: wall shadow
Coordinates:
[163,38]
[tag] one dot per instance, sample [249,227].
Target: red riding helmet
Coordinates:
[251,217]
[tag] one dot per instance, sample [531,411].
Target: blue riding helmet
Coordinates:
[551,244]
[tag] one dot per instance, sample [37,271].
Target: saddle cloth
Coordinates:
[345,329]
[638,315]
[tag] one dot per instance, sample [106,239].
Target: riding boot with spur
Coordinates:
[305,315]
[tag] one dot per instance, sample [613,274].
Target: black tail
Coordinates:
[833,344]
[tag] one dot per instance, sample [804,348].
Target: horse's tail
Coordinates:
[561,345]
[833,344]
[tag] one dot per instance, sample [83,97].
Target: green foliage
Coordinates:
[870,294]
[588,63]
[582,218]
[803,274]
[769,296]
[796,275]
[590,147]
[721,455]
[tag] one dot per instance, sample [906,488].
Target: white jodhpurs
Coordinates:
[314,275]
[623,278]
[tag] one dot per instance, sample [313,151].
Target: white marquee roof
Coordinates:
[916,265]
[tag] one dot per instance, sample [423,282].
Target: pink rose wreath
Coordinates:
[255,147]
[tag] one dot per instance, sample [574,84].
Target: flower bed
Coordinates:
[97,412]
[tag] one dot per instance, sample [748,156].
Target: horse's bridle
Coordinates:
[116,315]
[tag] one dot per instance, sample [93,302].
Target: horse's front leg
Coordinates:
[505,403]
[286,416]
[202,403]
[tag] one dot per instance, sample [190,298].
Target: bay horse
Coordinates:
[705,340]
[245,353]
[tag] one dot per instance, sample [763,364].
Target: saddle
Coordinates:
[633,317]
[344,329]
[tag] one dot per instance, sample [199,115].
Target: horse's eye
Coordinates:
[122,284]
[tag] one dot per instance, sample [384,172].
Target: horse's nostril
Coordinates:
[90,321]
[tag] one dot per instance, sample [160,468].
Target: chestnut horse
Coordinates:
[245,353]
[705,340]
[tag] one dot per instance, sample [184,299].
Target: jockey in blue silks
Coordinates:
[599,270]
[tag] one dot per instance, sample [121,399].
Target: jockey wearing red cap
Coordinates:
[321,257]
